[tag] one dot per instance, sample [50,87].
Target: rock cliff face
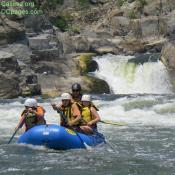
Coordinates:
[10,30]
[9,71]
[42,54]
[168,59]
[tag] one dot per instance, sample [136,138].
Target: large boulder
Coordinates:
[95,85]
[9,86]
[68,42]
[39,42]
[168,55]
[16,77]
[168,59]
[8,63]
[10,30]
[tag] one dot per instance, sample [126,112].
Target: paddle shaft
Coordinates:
[112,123]
[13,135]
[19,126]
[65,120]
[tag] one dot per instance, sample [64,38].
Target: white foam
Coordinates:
[115,111]
[10,115]
[130,78]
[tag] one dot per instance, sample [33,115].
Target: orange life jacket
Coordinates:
[32,120]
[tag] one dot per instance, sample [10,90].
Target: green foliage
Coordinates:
[120,2]
[61,23]
[84,62]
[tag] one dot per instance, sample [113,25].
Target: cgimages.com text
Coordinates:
[6,8]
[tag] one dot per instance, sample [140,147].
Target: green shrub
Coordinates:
[61,23]
[85,61]
[120,2]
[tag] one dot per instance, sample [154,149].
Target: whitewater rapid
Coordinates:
[129,78]
[134,110]
[143,145]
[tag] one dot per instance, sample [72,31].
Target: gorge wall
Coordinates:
[45,54]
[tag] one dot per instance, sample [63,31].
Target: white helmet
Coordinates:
[30,102]
[65,96]
[86,98]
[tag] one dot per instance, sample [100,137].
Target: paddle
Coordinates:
[18,127]
[65,120]
[13,135]
[112,123]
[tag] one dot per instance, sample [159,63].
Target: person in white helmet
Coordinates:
[89,115]
[71,115]
[32,115]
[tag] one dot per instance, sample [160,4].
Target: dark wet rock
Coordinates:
[9,86]
[44,55]
[10,30]
[141,59]
[8,63]
[37,23]
[95,85]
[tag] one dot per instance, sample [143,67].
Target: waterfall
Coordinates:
[125,77]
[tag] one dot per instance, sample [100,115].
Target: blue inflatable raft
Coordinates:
[60,138]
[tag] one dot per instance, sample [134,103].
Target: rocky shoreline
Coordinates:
[39,56]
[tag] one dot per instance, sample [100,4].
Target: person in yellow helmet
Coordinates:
[89,115]
[32,115]
[70,114]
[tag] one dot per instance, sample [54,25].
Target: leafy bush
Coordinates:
[120,2]
[61,23]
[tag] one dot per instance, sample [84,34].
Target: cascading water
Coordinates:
[144,145]
[129,78]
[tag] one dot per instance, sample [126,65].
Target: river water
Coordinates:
[143,146]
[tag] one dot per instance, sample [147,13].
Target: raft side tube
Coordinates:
[59,137]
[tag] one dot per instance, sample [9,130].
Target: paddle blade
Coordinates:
[113,123]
